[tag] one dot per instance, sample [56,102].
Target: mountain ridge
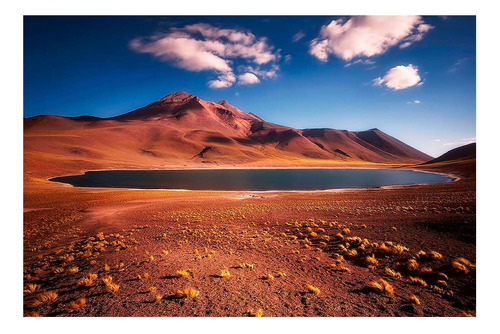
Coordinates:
[181,127]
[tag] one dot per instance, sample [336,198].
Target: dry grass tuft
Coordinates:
[461,265]
[338,236]
[107,279]
[343,269]
[158,298]
[186,293]
[413,299]
[75,305]
[33,314]
[429,256]
[112,288]
[268,277]
[225,274]
[412,265]
[313,289]
[442,283]
[30,288]
[87,282]
[418,281]
[182,273]
[371,260]
[351,253]
[468,313]
[390,272]
[47,296]
[442,276]
[380,285]
[258,313]
[73,270]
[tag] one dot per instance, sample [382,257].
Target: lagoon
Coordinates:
[251,179]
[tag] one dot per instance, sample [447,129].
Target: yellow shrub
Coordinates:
[413,299]
[75,305]
[313,289]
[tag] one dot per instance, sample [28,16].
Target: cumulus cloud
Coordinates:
[203,47]
[248,79]
[268,73]
[367,36]
[400,77]
[225,80]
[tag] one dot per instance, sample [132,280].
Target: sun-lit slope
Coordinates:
[461,159]
[182,129]
[390,145]
[466,152]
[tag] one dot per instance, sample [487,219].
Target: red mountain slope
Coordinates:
[183,129]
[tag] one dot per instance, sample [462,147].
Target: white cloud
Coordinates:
[268,73]
[400,77]
[247,79]
[298,36]
[360,61]
[378,81]
[203,47]
[458,64]
[366,36]
[463,141]
[225,80]
[413,102]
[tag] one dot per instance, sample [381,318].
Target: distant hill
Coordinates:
[181,128]
[466,152]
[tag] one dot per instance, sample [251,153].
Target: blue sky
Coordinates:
[412,77]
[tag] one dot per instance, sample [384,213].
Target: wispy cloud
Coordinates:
[463,141]
[298,36]
[360,61]
[458,65]
[366,36]
[203,47]
[413,102]
[400,77]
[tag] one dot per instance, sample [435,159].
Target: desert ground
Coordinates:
[393,251]
[399,251]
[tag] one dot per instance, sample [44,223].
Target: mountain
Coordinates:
[466,152]
[181,129]
[458,161]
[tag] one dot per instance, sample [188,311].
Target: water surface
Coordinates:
[251,179]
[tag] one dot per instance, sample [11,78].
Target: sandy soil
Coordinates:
[154,243]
